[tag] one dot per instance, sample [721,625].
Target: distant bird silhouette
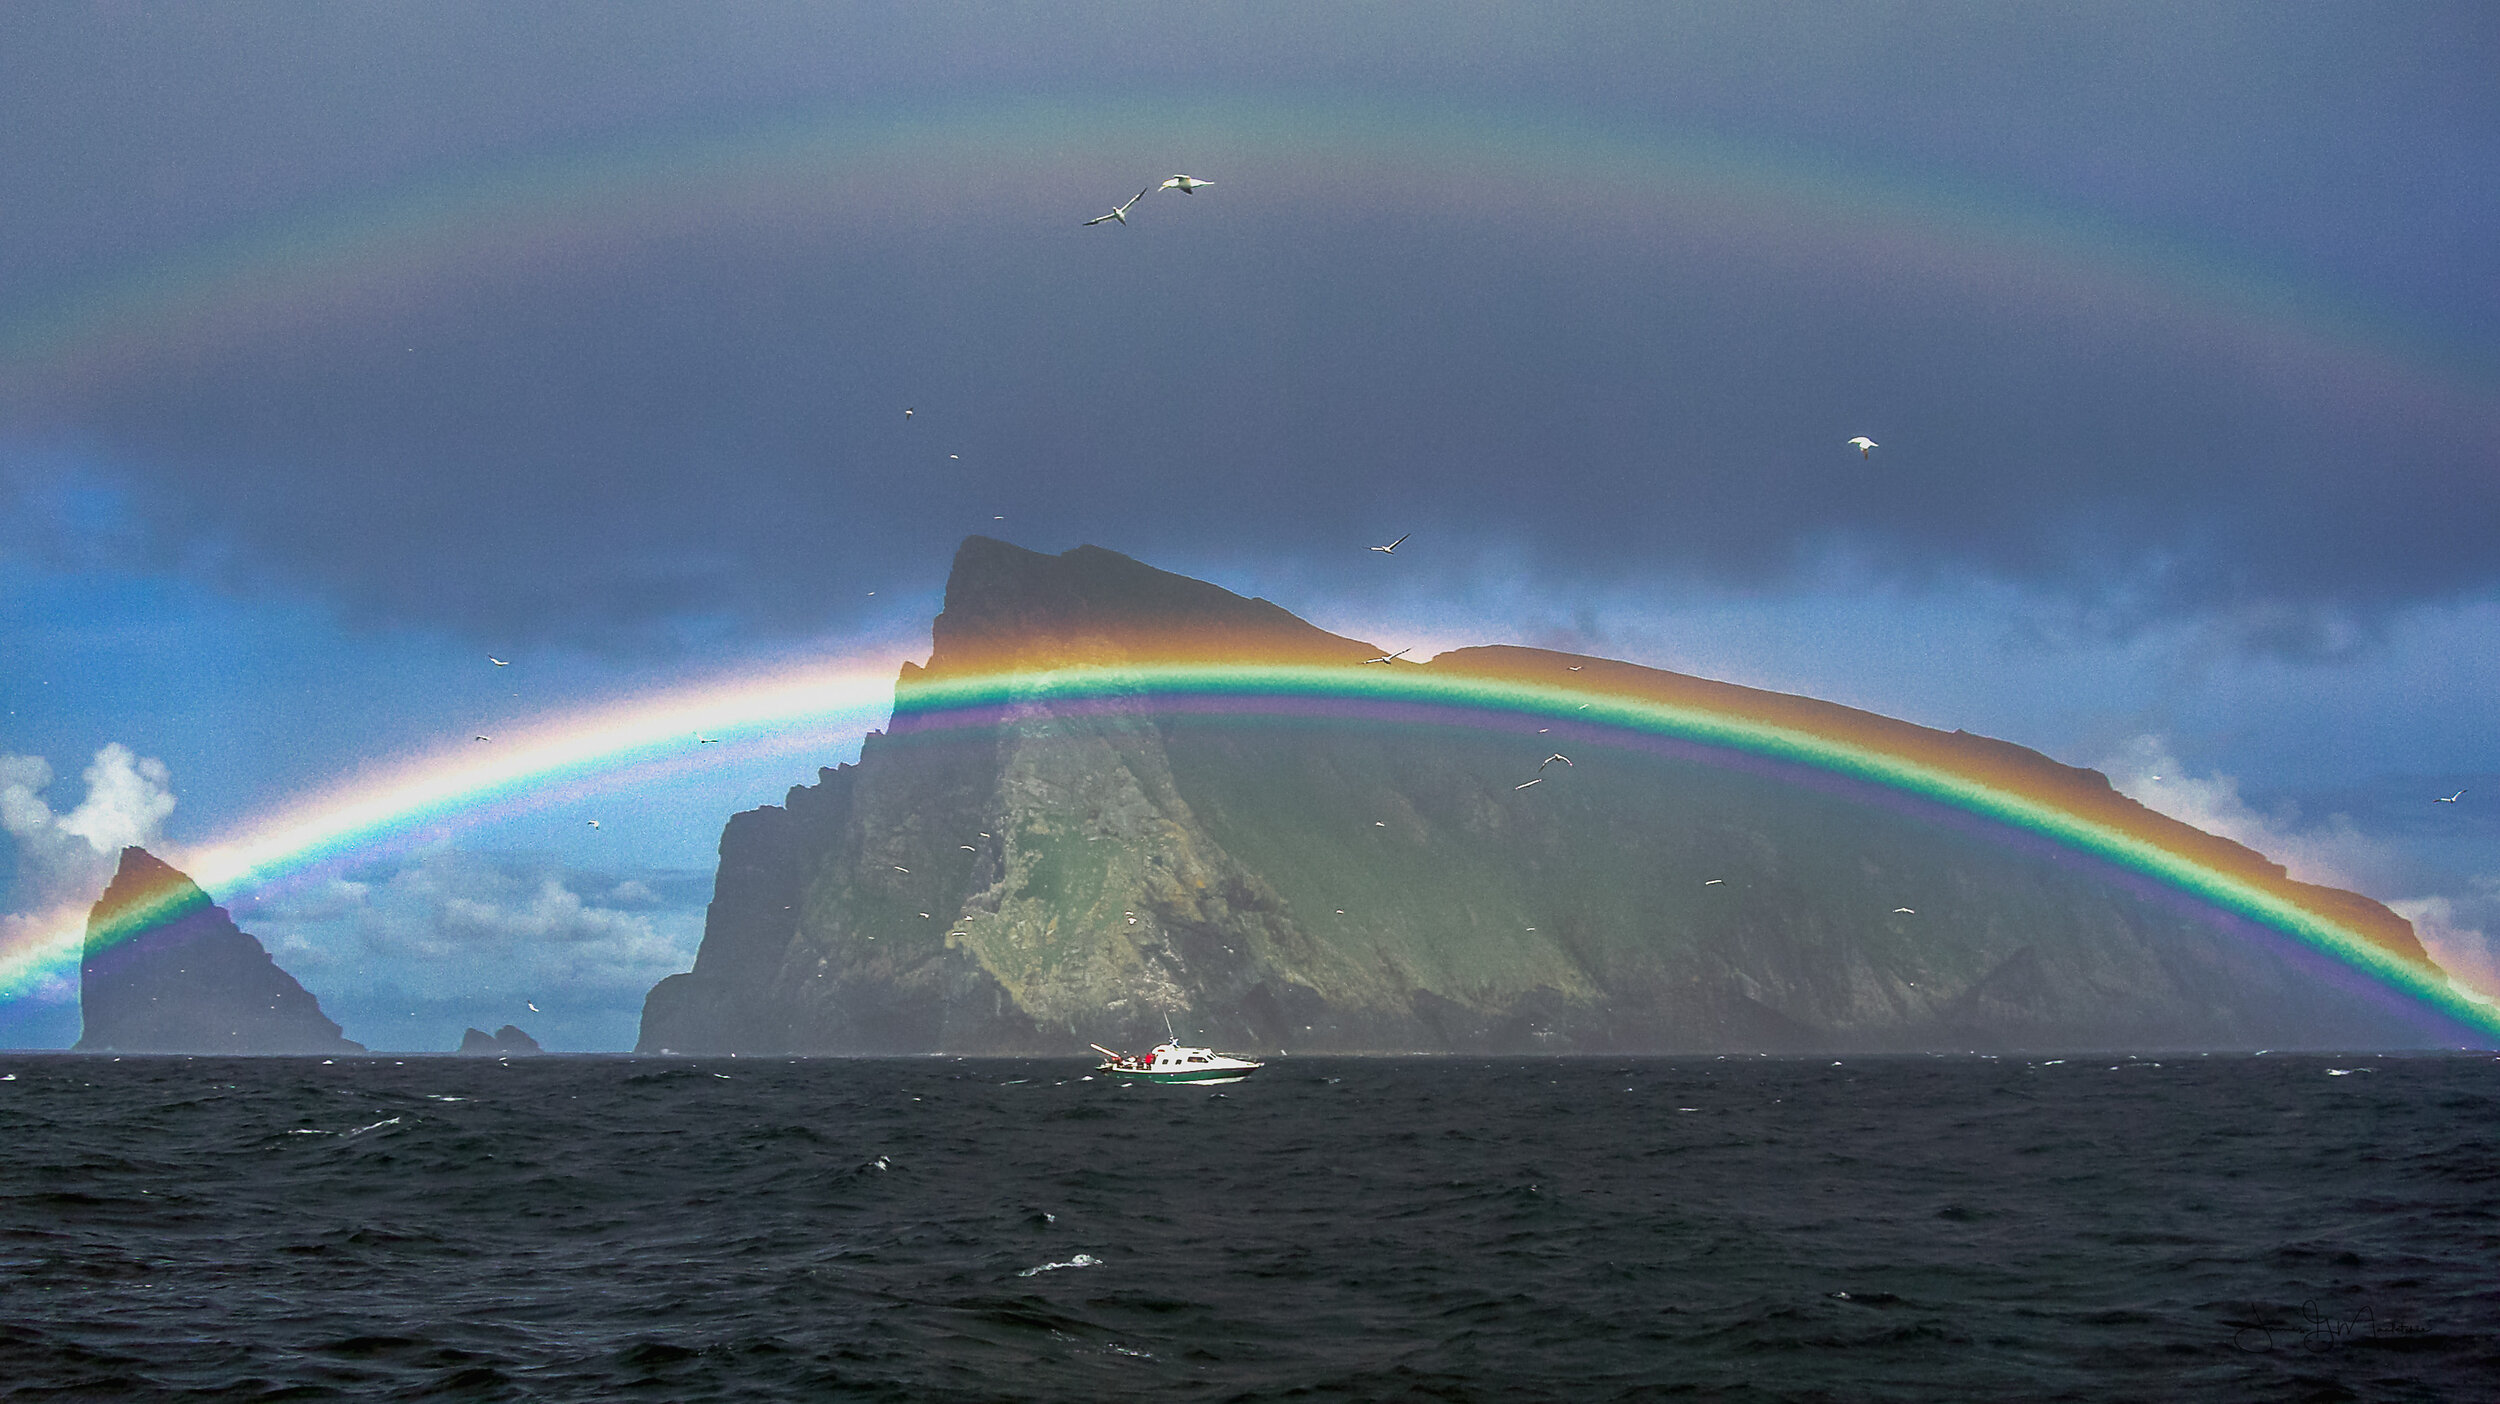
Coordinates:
[907,412]
[497,661]
[2449,799]
[1391,548]
[1557,756]
[481,738]
[1187,185]
[1537,781]
[1714,882]
[1864,446]
[1389,657]
[1900,911]
[702,740]
[592,822]
[1120,210]
[1576,667]
[533,1007]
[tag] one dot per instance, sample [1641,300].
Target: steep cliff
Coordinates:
[1079,874]
[167,971]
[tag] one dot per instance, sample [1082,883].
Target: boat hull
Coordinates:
[1182,1075]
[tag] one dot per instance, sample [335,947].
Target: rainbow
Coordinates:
[2000,788]
[867,170]
[2012,791]
[396,808]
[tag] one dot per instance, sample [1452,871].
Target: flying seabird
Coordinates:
[1575,667]
[1537,781]
[1391,548]
[1120,210]
[500,663]
[1864,445]
[592,822]
[702,740]
[533,1007]
[1714,882]
[2449,799]
[907,412]
[1900,911]
[1187,185]
[481,738]
[1388,657]
[900,868]
[1557,756]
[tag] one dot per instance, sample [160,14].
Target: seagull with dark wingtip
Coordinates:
[1120,210]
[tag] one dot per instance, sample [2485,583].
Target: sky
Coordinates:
[342,348]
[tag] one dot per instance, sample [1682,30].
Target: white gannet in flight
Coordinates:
[2449,799]
[1557,756]
[702,740]
[1187,185]
[906,411]
[1899,911]
[498,662]
[533,1007]
[481,738]
[592,823]
[1120,210]
[1864,445]
[1714,882]
[1389,657]
[1391,548]
[1537,781]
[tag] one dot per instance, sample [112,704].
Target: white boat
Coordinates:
[1170,1062]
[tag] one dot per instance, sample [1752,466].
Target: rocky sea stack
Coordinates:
[167,971]
[505,1042]
[1073,874]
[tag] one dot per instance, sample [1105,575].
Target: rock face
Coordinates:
[167,971]
[505,1042]
[1078,875]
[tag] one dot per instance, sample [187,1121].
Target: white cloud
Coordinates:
[2332,851]
[128,797]
[450,923]
[69,857]
[2455,932]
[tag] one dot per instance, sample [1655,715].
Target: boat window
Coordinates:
[1197,1060]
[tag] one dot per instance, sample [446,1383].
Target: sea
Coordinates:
[2158,1227]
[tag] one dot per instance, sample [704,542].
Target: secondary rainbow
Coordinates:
[873,168]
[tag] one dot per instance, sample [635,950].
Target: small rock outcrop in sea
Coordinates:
[502,1043]
[1069,873]
[167,971]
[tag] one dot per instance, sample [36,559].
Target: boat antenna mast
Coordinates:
[1170,1036]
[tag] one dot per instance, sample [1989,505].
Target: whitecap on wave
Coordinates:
[1081,1260]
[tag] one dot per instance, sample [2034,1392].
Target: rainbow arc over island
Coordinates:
[1992,784]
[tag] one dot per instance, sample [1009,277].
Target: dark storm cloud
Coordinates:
[701,419]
